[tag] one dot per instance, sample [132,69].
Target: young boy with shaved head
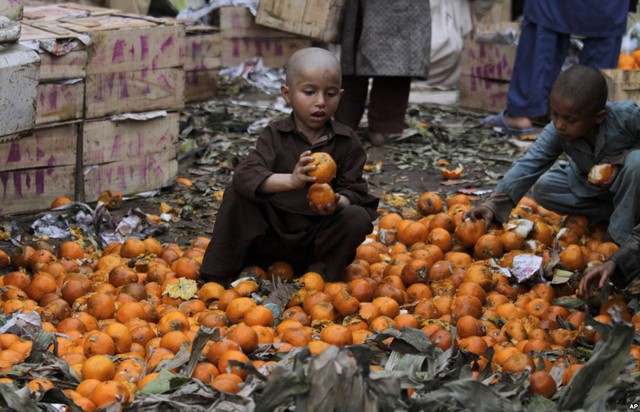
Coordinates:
[590,132]
[265,215]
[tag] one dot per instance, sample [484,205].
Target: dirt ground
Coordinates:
[214,139]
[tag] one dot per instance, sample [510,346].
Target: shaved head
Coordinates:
[583,85]
[311,58]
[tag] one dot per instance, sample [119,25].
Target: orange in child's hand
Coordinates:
[325,169]
[320,194]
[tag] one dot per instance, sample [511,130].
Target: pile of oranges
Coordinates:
[119,321]
[629,61]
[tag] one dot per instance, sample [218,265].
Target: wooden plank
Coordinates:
[52,146]
[138,91]
[148,172]
[30,190]
[59,102]
[108,141]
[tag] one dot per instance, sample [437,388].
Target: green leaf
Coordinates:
[570,303]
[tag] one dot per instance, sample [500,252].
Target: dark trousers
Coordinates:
[250,233]
[388,102]
[539,60]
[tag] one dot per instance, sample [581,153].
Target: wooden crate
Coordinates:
[203,60]
[37,168]
[319,20]
[623,84]
[134,91]
[60,101]
[130,156]
[18,88]
[485,73]
[244,40]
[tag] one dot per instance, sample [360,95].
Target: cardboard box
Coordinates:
[19,68]
[482,93]
[200,85]
[499,12]
[485,73]
[37,168]
[134,91]
[31,190]
[106,141]
[623,84]
[124,44]
[239,22]
[319,20]
[11,9]
[488,60]
[203,49]
[65,56]
[274,52]
[60,101]
[130,156]
[148,172]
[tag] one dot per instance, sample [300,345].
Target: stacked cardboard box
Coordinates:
[93,63]
[485,71]
[202,62]
[243,39]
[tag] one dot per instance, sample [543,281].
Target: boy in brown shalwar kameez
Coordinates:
[265,215]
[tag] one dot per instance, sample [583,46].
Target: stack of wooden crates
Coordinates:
[95,64]
[90,97]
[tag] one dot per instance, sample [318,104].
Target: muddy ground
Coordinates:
[214,138]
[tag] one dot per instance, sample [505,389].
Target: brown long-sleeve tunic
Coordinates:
[253,227]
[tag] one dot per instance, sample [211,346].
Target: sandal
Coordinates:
[499,125]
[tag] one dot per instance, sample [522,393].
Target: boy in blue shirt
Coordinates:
[590,132]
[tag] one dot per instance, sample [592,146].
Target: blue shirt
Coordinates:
[619,133]
[589,18]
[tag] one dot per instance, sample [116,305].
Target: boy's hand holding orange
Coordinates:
[300,175]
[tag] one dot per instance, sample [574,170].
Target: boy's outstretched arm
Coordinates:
[596,276]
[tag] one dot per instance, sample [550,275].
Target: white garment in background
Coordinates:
[450,23]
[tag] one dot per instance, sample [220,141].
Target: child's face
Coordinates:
[314,97]
[573,122]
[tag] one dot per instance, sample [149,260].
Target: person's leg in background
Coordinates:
[601,52]
[353,101]
[388,103]
[539,59]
